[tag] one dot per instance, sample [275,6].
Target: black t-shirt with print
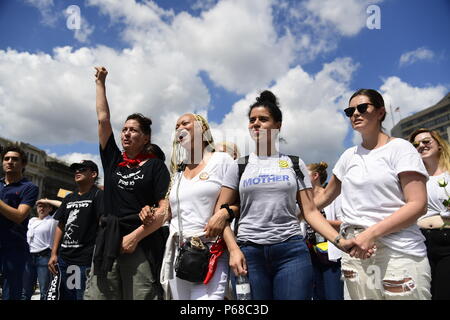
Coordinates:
[80,215]
[128,190]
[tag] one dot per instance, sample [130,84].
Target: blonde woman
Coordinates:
[197,175]
[435,224]
[382,186]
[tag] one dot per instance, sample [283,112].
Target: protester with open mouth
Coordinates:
[197,175]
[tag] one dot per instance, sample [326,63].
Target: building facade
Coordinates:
[436,117]
[48,173]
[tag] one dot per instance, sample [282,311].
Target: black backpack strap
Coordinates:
[296,167]
[242,163]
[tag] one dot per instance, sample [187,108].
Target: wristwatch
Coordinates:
[229,210]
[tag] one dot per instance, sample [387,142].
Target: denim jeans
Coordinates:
[281,271]
[73,280]
[327,281]
[36,269]
[12,264]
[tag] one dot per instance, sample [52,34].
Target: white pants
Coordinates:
[387,275]
[214,290]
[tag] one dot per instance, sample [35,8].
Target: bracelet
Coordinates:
[229,210]
[336,240]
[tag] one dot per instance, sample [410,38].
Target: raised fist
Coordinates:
[100,75]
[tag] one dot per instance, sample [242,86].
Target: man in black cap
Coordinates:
[75,234]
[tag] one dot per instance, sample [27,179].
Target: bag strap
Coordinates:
[180,171]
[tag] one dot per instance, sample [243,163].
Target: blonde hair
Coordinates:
[444,148]
[176,158]
[230,148]
[321,169]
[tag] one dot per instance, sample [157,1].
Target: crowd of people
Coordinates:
[378,229]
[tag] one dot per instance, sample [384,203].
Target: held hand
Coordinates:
[237,262]
[100,75]
[129,243]
[52,264]
[216,223]
[364,245]
[147,215]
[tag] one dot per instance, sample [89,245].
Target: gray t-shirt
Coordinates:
[268,194]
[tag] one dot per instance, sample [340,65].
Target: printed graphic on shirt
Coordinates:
[128,181]
[72,225]
[265,178]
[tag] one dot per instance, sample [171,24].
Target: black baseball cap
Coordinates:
[84,164]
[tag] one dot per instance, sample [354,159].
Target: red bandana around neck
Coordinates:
[134,162]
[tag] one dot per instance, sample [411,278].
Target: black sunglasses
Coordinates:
[80,170]
[361,109]
[425,142]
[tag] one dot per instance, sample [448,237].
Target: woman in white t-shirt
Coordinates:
[270,248]
[197,175]
[40,239]
[382,183]
[435,225]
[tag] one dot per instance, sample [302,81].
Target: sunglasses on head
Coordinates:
[361,109]
[425,141]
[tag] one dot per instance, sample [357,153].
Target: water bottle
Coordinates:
[243,288]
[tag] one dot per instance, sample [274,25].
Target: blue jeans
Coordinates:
[36,269]
[327,281]
[281,271]
[12,264]
[73,280]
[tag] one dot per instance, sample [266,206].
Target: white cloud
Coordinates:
[313,125]
[411,57]
[408,98]
[348,17]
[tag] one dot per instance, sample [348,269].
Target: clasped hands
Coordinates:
[361,247]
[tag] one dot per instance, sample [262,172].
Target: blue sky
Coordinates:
[169,57]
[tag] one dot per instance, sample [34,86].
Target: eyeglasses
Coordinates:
[425,141]
[361,109]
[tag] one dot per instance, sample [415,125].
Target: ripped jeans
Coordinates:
[387,275]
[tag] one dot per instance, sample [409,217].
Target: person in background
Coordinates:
[382,186]
[435,224]
[228,147]
[41,230]
[74,240]
[327,271]
[17,197]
